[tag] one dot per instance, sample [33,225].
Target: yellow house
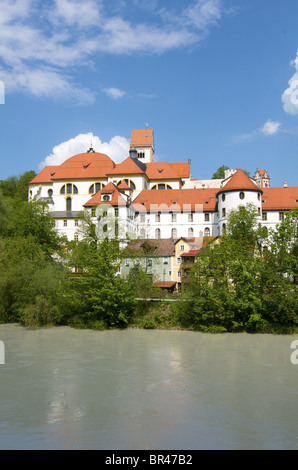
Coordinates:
[183,245]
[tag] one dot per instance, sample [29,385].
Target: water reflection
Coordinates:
[135,389]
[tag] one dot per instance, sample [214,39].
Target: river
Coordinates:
[62,388]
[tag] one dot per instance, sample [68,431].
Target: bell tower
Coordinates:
[142,141]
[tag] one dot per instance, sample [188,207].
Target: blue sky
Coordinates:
[217,80]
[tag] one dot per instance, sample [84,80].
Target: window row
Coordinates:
[241,196]
[174,217]
[70,188]
[224,213]
[66,223]
[174,233]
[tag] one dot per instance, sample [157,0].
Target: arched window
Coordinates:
[190,232]
[157,233]
[106,197]
[50,192]
[95,187]
[68,204]
[241,195]
[207,232]
[174,233]
[142,233]
[69,188]
[224,229]
[161,186]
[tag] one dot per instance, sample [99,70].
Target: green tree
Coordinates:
[220,172]
[16,187]
[95,295]
[236,285]
[141,282]
[29,279]
[33,219]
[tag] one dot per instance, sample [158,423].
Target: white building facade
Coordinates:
[152,200]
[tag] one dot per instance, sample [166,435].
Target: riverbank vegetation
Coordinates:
[245,282]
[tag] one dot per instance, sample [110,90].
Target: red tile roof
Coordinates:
[280,198]
[127,167]
[191,253]
[238,181]
[85,166]
[159,247]
[161,171]
[117,198]
[164,284]
[45,176]
[182,169]
[124,186]
[176,200]
[141,138]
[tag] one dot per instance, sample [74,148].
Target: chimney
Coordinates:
[285,184]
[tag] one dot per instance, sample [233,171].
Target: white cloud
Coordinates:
[43,43]
[117,148]
[290,96]
[45,82]
[76,12]
[270,127]
[114,93]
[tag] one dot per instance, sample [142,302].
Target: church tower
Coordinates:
[142,142]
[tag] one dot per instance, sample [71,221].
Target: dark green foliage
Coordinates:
[220,172]
[236,286]
[96,294]
[16,188]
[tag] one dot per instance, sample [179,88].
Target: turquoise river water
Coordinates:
[62,388]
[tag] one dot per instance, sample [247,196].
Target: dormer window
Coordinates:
[106,197]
